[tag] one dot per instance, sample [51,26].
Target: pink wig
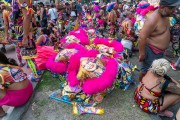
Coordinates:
[74,64]
[118,47]
[43,55]
[96,85]
[61,67]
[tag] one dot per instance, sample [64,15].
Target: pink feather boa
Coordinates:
[61,67]
[56,67]
[96,85]
[81,34]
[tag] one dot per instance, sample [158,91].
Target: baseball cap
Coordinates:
[170,2]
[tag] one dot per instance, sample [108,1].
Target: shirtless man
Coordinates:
[155,35]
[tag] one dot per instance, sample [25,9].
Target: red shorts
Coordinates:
[149,106]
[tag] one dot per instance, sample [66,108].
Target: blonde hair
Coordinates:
[160,66]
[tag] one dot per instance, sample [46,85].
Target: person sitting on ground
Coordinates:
[16,89]
[43,39]
[157,91]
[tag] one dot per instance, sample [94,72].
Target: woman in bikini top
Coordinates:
[155,84]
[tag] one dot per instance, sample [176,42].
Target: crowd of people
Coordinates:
[93,42]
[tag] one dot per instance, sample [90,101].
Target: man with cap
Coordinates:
[154,37]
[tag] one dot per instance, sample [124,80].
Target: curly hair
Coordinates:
[160,66]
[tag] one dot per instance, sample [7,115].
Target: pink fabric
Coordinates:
[17,97]
[138,10]
[44,52]
[156,50]
[96,8]
[101,22]
[133,20]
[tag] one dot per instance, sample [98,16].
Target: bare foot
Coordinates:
[166,113]
[2,114]
[6,40]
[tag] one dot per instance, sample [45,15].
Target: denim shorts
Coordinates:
[150,56]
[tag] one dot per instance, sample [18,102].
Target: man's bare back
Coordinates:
[160,37]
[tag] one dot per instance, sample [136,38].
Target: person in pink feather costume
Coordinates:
[74,64]
[96,85]
[118,47]
[80,36]
[61,66]
[92,86]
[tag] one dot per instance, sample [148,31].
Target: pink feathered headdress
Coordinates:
[81,34]
[118,47]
